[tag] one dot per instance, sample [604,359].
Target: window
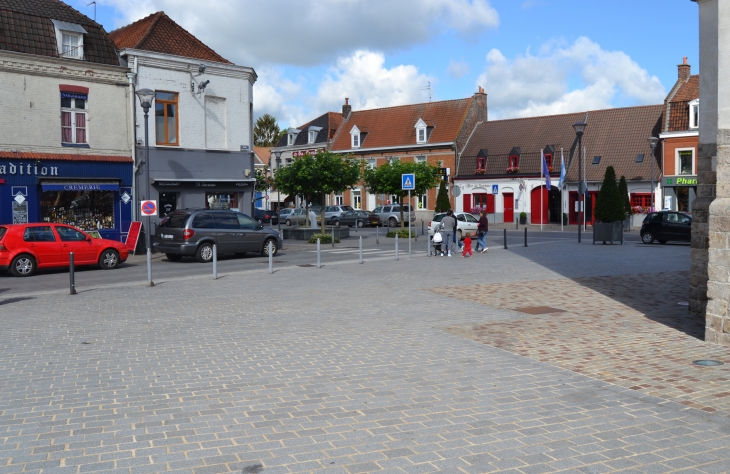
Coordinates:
[640,158]
[68,234]
[481,163]
[422,201]
[694,114]
[420,159]
[479,200]
[204,220]
[87,210]
[246,222]
[685,160]
[549,160]
[225,220]
[39,234]
[421,135]
[290,139]
[166,125]
[73,118]
[357,199]
[339,199]
[72,45]
[312,136]
[355,137]
[514,161]
[221,201]
[372,163]
[421,131]
[640,199]
[596,160]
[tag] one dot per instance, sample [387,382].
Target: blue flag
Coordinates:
[545,171]
[562,170]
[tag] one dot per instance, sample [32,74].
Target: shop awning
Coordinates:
[274,196]
[80,186]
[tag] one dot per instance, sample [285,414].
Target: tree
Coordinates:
[623,190]
[316,176]
[266,131]
[442,199]
[609,205]
[387,179]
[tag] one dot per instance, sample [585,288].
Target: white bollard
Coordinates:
[271,257]
[215,262]
[319,255]
[396,246]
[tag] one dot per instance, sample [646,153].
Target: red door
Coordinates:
[509,207]
[467,202]
[535,202]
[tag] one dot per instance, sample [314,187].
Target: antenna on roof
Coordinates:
[94,8]
[427,87]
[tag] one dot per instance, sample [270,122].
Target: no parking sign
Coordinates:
[149,208]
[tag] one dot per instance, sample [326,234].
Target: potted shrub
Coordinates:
[565,218]
[523,218]
[623,190]
[610,212]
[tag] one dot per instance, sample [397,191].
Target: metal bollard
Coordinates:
[72,279]
[149,268]
[333,236]
[377,234]
[271,257]
[505,239]
[396,246]
[428,246]
[525,236]
[517,224]
[319,255]
[361,249]
[215,262]
[422,227]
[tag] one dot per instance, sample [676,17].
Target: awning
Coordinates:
[80,186]
[274,197]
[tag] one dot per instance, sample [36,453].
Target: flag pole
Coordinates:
[542,160]
[585,203]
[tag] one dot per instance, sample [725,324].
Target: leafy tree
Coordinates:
[623,190]
[442,199]
[609,205]
[266,131]
[316,176]
[387,179]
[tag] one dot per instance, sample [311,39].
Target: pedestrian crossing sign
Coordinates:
[408,182]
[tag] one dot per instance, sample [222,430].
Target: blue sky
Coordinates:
[533,57]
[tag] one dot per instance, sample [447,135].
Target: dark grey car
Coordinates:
[193,232]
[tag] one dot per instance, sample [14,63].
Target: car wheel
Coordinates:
[173,257]
[204,253]
[109,259]
[662,241]
[647,237]
[23,266]
[288,222]
[265,250]
[393,221]
[337,223]
[359,223]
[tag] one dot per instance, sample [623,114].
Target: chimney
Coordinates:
[683,70]
[346,109]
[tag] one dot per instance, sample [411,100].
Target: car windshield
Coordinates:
[2,232]
[175,220]
[346,208]
[438,217]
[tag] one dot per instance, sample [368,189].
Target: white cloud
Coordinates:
[457,69]
[539,85]
[364,79]
[310,32]
[275,95]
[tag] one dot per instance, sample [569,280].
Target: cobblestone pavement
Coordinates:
[344,369]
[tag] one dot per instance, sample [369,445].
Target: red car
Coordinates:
[24,248]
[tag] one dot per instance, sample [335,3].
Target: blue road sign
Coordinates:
[408,182]
[495,189]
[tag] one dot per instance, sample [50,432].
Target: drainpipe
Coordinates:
[131,76]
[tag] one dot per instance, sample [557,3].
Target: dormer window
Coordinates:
[290,142]
[481,162]
[421,131]
[514,161]
[312,134]
[312,137]
[355,137]
[70,39]
[694,114]
[292,136]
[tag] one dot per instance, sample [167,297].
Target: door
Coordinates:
[85,251]
[467,205]
[685,228]
[229,235]
[539,206]
[509,207]
[253,239]
[676,226]
[168,203]
[43,243]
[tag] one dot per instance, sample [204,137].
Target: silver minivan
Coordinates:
[330,212]
[390,214]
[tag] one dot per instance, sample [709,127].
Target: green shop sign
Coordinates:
[680,181]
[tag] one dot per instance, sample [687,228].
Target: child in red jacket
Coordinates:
[467,246]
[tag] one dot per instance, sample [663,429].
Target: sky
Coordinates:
[532,57]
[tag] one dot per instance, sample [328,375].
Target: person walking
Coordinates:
[449,224]
[467,246]
[482,229]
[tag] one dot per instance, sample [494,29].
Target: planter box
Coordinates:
[523,220]
[304,233]
[565,220]
[611,231]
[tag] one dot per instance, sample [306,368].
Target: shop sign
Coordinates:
[28,169]
[680,181]
[304,153]
[202,184]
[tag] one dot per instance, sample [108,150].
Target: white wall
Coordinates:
[31,104]
[218,118]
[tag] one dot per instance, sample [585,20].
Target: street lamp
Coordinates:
[580,127]
[277,154]
[146,96]
[652,143]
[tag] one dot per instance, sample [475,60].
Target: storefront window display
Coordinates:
[682,198]
[87,210]
[221,201]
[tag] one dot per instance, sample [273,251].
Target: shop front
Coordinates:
[679,193]
[95,196]
[208,194]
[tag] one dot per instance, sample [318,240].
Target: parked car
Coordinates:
[357,218]
[330,212]
[299,216]
[465,222]
[265,216]
[193,232]
[24,248]
[665,226]
[285,212]
[391,214]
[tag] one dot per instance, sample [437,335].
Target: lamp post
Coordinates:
[580,127]
[146,96]
[277,154]
[652,143]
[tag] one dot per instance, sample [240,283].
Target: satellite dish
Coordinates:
[456,191]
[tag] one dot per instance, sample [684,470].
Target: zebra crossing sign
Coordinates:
[408,182]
